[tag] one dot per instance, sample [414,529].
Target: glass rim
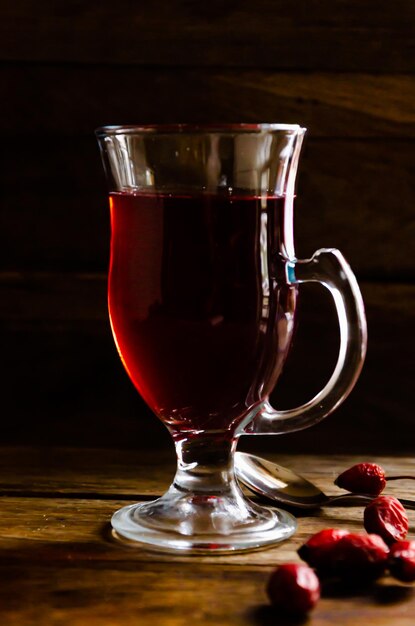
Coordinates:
[131,129]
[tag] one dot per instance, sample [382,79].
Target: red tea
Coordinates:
[200,310]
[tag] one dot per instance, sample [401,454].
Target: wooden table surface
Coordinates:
[60,565]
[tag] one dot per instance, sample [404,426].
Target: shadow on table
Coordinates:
[382,591]
[266,615]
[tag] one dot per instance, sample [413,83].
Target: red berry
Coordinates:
[357,556]
[318,549]
[363,478]
[402,561]
[294,588]
[387,517]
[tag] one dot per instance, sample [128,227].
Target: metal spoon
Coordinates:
[282,485]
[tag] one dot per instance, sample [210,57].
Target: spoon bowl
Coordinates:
[281,485]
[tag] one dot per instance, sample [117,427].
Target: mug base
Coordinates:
[133,524]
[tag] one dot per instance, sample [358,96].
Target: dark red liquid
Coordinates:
[201,322]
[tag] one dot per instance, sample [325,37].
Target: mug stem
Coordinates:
[204,509]
[205,465]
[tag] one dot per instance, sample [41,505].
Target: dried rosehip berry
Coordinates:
[402,561]
[294,588]
[387,517]
[363,478]
[358,556]
[318,549]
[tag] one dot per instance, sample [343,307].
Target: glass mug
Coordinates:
[203,285]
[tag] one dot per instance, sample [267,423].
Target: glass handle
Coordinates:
[328,267]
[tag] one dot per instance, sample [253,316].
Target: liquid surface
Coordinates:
[201,323]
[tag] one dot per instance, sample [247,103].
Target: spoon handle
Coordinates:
[347,499]
[351,499]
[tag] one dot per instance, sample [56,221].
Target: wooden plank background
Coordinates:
[343,69]
[331,35]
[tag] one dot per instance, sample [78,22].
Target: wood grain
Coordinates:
[73,100]
[104,474]
[64,382]
[60,565]
[55,211]
[305,35]
[105,478]
[72,298]
[67,526]
[173,595]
